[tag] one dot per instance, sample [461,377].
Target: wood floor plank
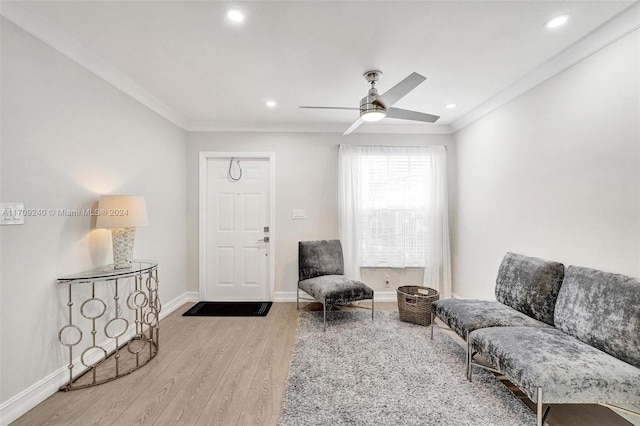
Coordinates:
[52,411]
[63,408]
[190,394]
[119,396]
[139,401]
[262,406]
[225,405]
[75,403]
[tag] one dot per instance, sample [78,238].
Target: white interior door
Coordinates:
[237,222]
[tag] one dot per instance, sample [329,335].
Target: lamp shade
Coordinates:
[121,211]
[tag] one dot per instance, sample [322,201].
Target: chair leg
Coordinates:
[297,298]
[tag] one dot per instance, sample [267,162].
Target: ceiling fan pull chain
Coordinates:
[239,167]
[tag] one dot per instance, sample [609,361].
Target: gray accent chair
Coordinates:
[321,275]
[591,356]
[526,291]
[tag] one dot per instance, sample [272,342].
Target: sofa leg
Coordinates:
[432,318]
[540,415]
[469,358]
[297,298]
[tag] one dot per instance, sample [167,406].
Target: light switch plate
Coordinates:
[12,213]
[298,214]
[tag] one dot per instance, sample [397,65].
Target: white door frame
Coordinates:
[202,203]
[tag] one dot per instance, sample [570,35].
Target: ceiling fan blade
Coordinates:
[354,126]
[405,114]
[326,107]
[394,94]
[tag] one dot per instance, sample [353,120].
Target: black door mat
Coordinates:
[229,309]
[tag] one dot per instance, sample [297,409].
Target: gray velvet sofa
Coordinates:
[591,356]
[526,291]
[579,344]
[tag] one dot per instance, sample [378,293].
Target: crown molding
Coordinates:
[419,129]
[219,126]
[614,29]
[411,128]
[42,29]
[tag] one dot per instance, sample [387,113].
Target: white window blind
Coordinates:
[392,210]
[393,214]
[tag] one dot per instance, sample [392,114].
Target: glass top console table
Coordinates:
[112,323]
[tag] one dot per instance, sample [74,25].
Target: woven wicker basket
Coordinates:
[415,307]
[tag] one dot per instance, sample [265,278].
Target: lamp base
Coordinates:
[123,239]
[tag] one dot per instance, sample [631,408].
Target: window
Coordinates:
[393,212]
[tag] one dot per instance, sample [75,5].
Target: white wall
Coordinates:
[67,137]
[554,174]
[306,177]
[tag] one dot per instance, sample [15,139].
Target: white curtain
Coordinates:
[393,210]
[349,171]
[437,274]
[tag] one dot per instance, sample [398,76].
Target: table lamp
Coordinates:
[122,213]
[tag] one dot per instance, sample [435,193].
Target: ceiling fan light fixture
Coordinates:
[373,115]
[370,109]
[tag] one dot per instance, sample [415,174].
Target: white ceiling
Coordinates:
[190,60]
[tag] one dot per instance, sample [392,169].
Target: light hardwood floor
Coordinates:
[218,371]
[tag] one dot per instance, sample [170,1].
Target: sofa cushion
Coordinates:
[466,315]
[317,258]
[529,285]
[603,310]
[333,289]
[568,370]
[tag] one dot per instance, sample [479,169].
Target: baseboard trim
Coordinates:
[172,305]
[284,296]
[24,401]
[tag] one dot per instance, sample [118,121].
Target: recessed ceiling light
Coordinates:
[270,104]
[558,21]
[451,106]
[235,15]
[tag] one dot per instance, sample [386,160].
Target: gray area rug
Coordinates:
[388,372]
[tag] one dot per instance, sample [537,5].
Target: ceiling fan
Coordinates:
[374,107]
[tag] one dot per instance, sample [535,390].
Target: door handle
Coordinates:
[264,240]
